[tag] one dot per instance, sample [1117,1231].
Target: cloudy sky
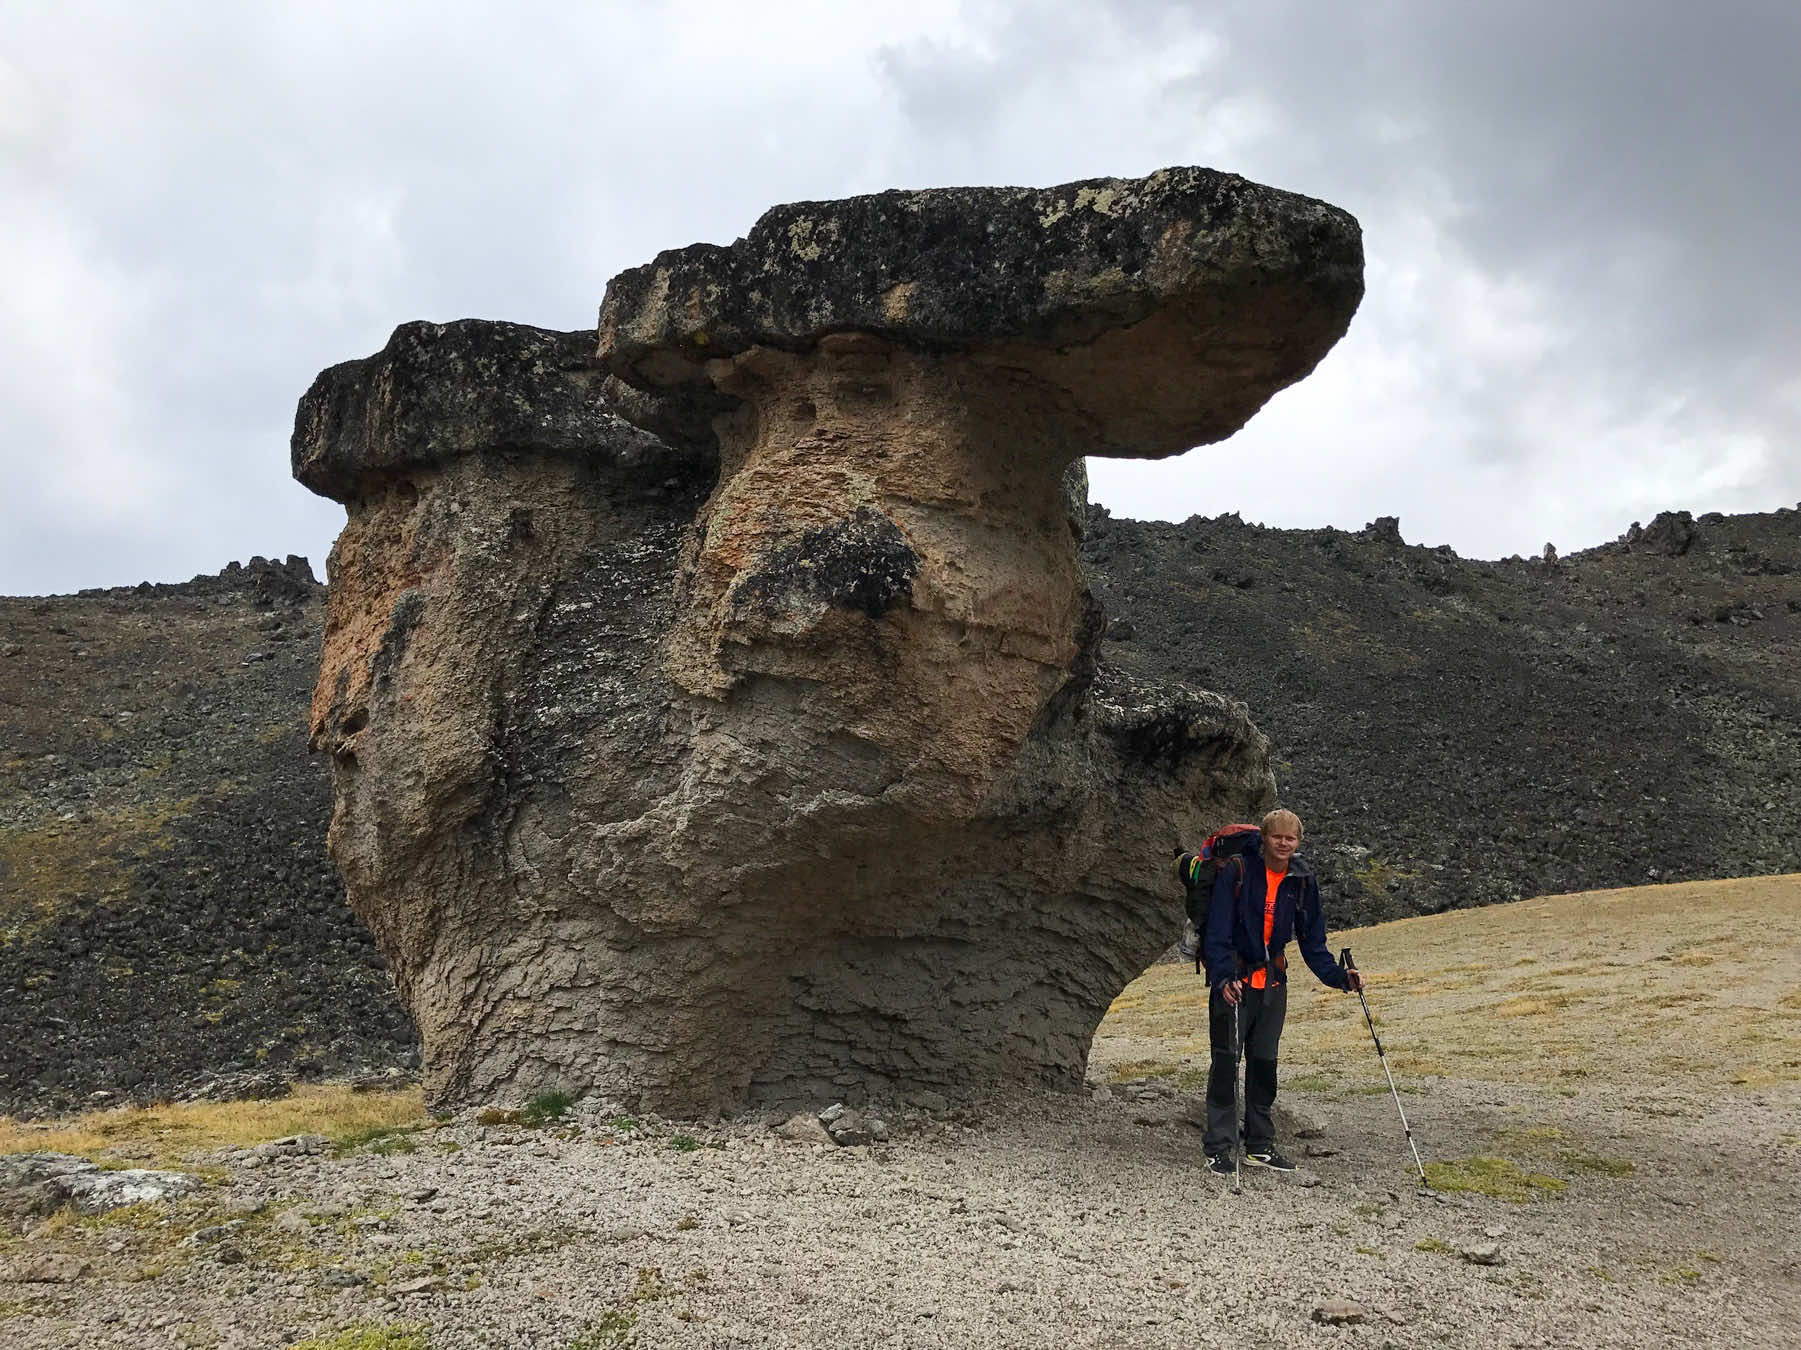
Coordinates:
[1581,222]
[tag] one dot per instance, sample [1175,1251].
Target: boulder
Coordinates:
[1671,534]
[41,1182]
[714,701]
[851,1128]
[52,1268]
[803,1128]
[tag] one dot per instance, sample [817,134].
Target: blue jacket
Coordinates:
[1233,945]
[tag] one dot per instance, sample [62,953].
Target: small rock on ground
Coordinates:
[1337,1312]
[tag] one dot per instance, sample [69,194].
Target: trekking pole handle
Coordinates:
[1344,960]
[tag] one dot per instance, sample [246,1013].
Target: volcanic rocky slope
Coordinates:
[1456,732]
[167,908]
[172,912]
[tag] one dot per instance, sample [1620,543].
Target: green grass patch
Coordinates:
[546,1107]
[384,1140]
[611,1329]
[371,1336]
[1501,1178]
[683,1143]
[1432,1244]
[649,1285]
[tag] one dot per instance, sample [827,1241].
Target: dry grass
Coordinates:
[164,1134]
[1599,989]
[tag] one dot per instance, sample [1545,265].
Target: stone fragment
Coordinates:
[1337,1312]
[850,1129]
[832,1112]
[1297,1122]
[714,701]
[1482,1253]
[52,1268]
[803,1128]
[212,1235]
[293,1146]
[26,1169]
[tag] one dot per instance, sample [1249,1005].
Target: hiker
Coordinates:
[1261,898]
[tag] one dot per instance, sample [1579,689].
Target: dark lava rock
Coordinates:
[170,909]
[1457,732]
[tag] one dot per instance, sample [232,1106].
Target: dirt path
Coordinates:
[1663,1192]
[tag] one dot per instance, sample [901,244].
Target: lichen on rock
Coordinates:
[717,718]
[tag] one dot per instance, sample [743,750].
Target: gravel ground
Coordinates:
[1078,1222]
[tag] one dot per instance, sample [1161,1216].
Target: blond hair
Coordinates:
[1283,821]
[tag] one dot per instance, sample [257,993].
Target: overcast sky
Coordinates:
[1581,224]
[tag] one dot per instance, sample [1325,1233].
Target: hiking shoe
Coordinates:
[1268,1157]
[1220,1164]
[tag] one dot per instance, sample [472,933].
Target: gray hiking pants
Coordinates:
[1261,1013]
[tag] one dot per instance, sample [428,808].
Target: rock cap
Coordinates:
[439,391]
[1195,292]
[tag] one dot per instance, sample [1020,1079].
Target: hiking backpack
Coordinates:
[1197,871]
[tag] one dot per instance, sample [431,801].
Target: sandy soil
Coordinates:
[1631,1060]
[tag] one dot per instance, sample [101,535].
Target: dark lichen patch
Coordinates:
[408,611]
[863,564]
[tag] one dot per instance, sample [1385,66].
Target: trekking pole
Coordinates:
[1237,1103]
[1345,963]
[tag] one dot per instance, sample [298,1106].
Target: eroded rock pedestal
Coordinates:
[713,701]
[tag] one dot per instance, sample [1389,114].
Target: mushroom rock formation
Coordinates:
[713,700]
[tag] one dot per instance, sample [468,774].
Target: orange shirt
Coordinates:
[1271,880]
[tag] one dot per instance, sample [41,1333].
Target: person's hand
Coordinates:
[1232,991]
[1353,981]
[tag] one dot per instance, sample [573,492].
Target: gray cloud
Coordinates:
[1578,220]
